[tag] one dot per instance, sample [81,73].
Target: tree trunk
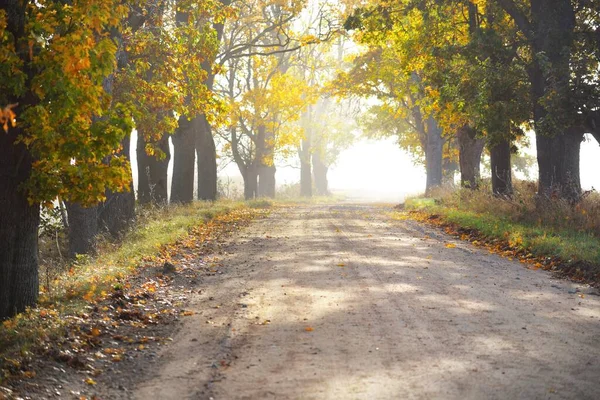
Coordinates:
[266,169]
[449,170]
[470,149]
[83,228]
[553,23]
[305,176]
[558,160]
[320,174]
[250,183]
[501,169]
[182,184]
[433,155]
[153,172]
[305,153]
[117,212]
[144,193]
[18,229]
[266,181]
[206,159]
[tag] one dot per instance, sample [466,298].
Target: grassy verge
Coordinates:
[152,240]
[546,236]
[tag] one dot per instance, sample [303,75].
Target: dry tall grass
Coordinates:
[525,207]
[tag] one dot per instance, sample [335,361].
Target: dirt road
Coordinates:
[341,302]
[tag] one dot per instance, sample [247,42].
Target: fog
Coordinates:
[379,171]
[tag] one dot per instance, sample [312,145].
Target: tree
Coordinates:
[564,84]
[66,126]
[404,110]
[262,116]
[466,56]
[332,132]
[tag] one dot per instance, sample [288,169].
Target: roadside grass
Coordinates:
[558,235]
[89,279]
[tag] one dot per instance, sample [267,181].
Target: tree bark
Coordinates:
[19,220]
[305,154]
[449,170]
[320,174]
[305,175]
[182,184]
[553,23]
[83,228]
[501,168]
[470,149]
[558,159]
[117,212]
[250,183]
[433,155]
[144,194]
[206,159]
[18,229]
[266,181]
[267,169]
[153,172]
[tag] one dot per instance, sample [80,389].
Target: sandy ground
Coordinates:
[341,302]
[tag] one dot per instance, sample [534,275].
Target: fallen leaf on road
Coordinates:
[90,381]
[450,245]
[341,265]
[308,329]
[187,313]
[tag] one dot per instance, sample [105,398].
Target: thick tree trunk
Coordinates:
[182,184]
[267,169]
[320,174]
[558,160]
[250,183]
[18,229]
[206,158]
[433,155]
[553,25]
[449,170]
[470,149]
[83,228]
[501,169]
[153,172]
[305,177]
[117,212]
[266,181]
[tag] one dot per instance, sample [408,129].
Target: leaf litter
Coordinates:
[131,321]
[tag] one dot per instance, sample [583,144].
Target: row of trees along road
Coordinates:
[452,78]
[455,76]
[77,77]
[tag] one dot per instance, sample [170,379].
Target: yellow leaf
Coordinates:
[341,265]
[90,381]
[450,245]
[308,329]
[187,313]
